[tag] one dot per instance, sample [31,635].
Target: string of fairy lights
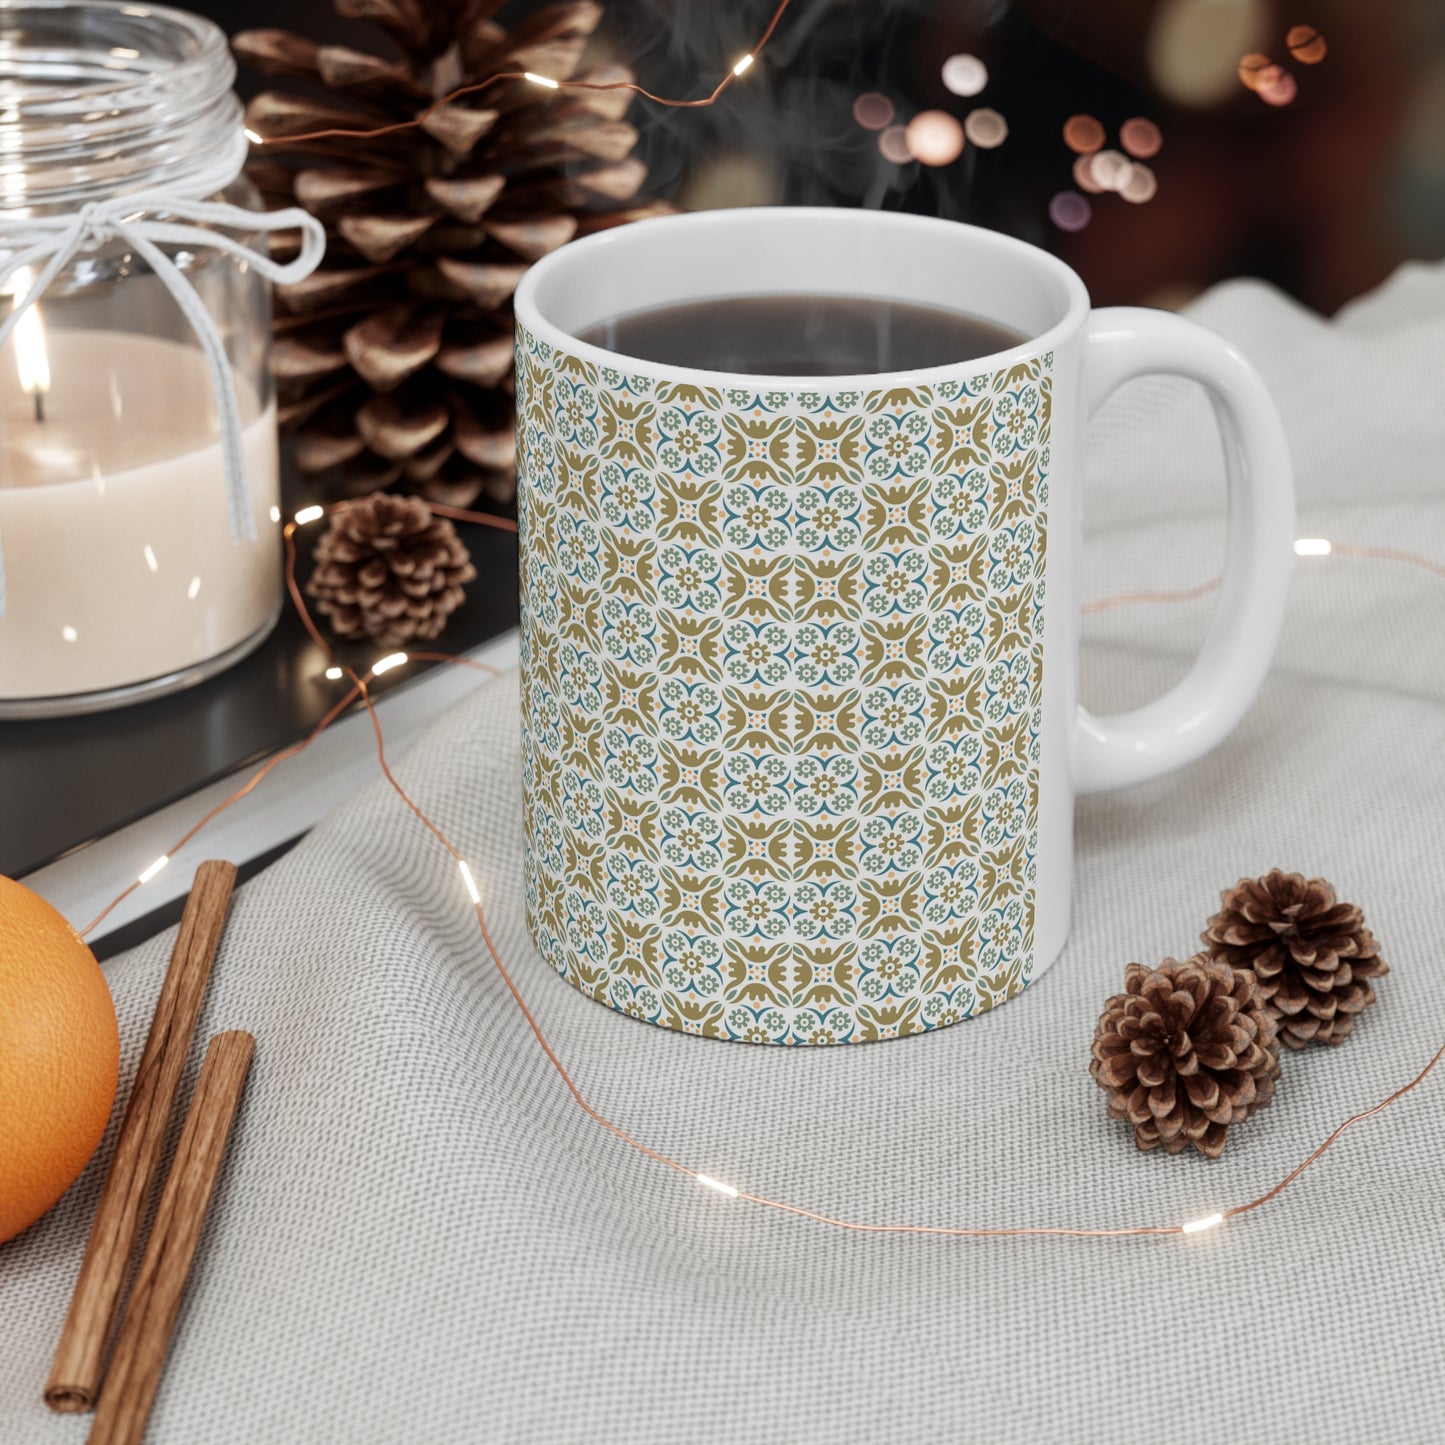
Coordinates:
[930,137]
[359,691]
[936,138]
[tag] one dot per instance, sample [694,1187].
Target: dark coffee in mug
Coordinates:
[801,335]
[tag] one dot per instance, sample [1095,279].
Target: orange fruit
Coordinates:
[59,1056]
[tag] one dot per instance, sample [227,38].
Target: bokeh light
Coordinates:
[1140,137]
[1278,87]
[1084,175]
[1110,169]
[1306,44]
[1194,46]
[1070,211]
[893,142]
[1139,185]
[934,137]
[1252,66]
[985,128]
[1266,76]
[872,110]
[1083,134]
[965,74]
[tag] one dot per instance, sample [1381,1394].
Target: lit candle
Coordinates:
[113,516]
[31,360]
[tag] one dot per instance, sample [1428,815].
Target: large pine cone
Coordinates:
[1313,957]
[1185,1051]
[388,570]
[394,360]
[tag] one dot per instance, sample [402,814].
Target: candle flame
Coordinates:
[31,359]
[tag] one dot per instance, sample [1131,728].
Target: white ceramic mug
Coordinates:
[800,655]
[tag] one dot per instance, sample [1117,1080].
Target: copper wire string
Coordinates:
[1131,599]
[1190,594]
[360,690]
[254,781]
[1388,554]
[1352,1120]
[372,133]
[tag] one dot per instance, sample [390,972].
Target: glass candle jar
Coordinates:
[131,567]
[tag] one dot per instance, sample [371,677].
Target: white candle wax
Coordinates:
[114,521]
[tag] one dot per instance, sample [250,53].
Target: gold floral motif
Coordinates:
[782,690]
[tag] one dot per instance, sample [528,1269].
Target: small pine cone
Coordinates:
[1313,957]
[388,570]
[1185,1051]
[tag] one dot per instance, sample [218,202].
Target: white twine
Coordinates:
[52,242]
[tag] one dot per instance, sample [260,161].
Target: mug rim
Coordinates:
[590,249]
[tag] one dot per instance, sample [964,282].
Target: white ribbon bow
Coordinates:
[52,242]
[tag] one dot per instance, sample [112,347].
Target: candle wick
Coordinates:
[39,404]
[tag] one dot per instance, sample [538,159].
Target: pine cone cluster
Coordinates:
[1312,956]
[387,569]
[394,359]
[1187,1050]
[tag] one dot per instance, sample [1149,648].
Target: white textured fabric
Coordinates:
[418,1236]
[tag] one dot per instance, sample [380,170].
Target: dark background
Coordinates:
[1323,196]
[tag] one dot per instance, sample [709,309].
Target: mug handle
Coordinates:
[1196,714]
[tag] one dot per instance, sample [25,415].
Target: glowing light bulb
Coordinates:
[893,143]
[385,664]
[1110,169]
[1070,211]
[1140,137]
[333,674]
[155,868]
[934,137]
[1083,134]
[469,880]
[873,110]
[985,128]
[964,74]
[309,514]
[256,140]
[1306,44]
[1277,86]
[543,80]
[1313,547]
[742,64]
[1196,1225]
[1140,184]
[710,1183]
[275,513]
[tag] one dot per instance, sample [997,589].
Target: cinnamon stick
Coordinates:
[79,1362]
[155,1298]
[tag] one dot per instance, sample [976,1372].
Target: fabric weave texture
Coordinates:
[418,1235]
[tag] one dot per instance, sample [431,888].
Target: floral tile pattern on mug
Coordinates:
[781,670]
